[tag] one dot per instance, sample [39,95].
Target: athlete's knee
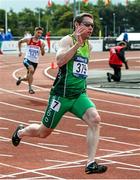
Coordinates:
[31,70]
[96,119]
[92,118]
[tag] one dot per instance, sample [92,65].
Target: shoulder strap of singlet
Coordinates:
[30,40]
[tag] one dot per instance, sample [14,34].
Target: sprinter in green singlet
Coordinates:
[68,93]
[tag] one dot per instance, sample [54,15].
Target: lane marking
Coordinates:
[25,171]
[75,134]
[113,125]
[103,111]
[41,99]
[52,149]
[121,163]
[4,128]
[113,92]
[53,145]
[6,155]
[110,150]
[131,169]
[115,102]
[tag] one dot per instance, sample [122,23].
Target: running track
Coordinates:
[63,154]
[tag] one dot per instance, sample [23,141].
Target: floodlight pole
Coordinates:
[74,8]
[114,24]
[6,24]
[39,17]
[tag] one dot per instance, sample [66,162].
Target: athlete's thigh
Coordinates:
[26,63]
[29,66]
[81,105]
[57,107]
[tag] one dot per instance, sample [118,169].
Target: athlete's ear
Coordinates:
[76,24]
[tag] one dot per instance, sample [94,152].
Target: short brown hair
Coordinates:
[39,28]
[79,18]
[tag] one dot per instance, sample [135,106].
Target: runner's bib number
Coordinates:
[33,53]
[55,105]
[80,67]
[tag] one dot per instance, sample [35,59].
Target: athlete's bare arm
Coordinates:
[24,40]
[67,49]
[90,46]
[42,48]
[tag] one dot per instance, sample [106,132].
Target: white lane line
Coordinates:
[3,128]
[53,145]
[120,153]
[6,155]
[25,171]
[120,142]
[75,134]
[119,126]
[120,114]
[41,99]
[110,150]
[126,155]
[4,139]
[52,149]
[113,92]
[115,102]
[130,169]
[112,125]
[23,95]
[47,74]
[21,107]
[121,163]
[109,112]
[59,161]
[104,156]
[106,59]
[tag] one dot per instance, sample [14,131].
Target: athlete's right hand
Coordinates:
[79,31]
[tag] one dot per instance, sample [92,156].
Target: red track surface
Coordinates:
[63,154]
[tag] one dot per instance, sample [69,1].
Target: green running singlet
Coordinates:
[71,78]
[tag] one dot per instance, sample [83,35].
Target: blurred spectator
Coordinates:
[47,37]
[116,59]
[2,38]
[8,35]
[125,37]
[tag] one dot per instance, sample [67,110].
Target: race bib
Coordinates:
[55,105]
[33,53]
[80,67]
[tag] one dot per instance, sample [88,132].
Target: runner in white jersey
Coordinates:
[31,59]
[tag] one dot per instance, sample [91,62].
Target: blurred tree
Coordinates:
[58,18]
[2,18]
[133,16]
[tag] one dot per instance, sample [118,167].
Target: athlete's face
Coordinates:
[88,25]
[38,33]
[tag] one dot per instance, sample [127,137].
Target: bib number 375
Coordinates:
[80,69]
